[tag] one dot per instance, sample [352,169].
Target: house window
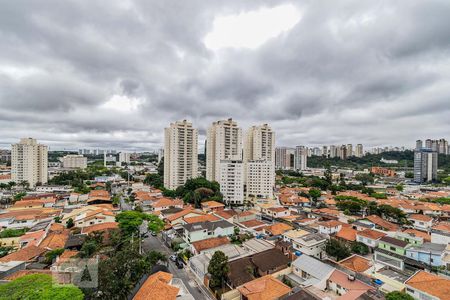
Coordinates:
[392,248]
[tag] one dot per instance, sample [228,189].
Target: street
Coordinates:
[155,243]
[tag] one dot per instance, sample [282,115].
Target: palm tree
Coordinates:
[11,184]
[24,184]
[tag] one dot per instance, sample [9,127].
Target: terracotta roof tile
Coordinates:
[371,234]
[278,228]
[264,288]
[431,284]
[420,217]
[25,254]
[347,233]
[100,227]
[205,218]
[356,263]
[157,287]
[210,243]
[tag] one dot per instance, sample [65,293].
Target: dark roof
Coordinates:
[394,241]
[241,271]
[172,210]
[159,268]
[300,295]
[74,241]
[210,226]
[270,259]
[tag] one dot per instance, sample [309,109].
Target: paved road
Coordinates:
[155,243]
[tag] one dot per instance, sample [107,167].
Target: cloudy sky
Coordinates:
[113,74]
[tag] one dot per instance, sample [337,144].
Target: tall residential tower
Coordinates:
[180,154]
[29,162]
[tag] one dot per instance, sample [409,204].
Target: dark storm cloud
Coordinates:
[114,74]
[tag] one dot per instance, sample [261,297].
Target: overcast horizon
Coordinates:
[113,74]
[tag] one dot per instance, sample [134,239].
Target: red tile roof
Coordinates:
[25,254]
[210,243]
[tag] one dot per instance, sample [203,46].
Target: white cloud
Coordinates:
[251,29]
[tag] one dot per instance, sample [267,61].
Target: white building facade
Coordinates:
[29,162]
[74,161]
[232,181]
[180,154]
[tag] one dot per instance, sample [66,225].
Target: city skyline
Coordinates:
[322,74]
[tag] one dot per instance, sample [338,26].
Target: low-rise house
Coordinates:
[277,229]
[413,236]
[176,220]
[308,271]
[166,203]
[346,286]
[200,246]
[251,224]
[198,219]
[107,226]
[428,253]
[99,197]
[357,264]
[421,222]
[277,212]
[257,245]
[203,230]
[290,235]
[346,234]
[27,254]
[227,215]
[11,267]
[212,206]
[380,223]
[369,237]
[158,286]
[424,285]
[312,244]
[244,216]
[330,227]
[263,288]
[89,215]
[391,252]
[440,234]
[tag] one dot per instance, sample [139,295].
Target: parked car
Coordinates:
[173,257]
[154,233]
[179,264]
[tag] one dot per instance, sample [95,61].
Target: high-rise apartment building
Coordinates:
[260,179]
[325,151]
[125,157]
[301,158]
[259,143]
[224,142]
[440,146]
[343,154]
[333,151]
[231,181]
[74,161]
[419,144]
[359,151]
[284,158]
[29,162]
[349,150]
[180,154]
[259,161]
[425,165]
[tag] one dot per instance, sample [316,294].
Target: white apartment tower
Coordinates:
[74,161]
[223,142]
[359,151]
[301,158]
[260,143]
[259,161]
[180,154]
[232,181]
[29,162]
[125,157]
[260,179]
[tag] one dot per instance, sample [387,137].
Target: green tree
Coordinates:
[38,286]
[155,224]
[129,221]
[314,194]
[360,248]
[337,249]
[218,268]
[365,178]
[51,255]
[399,187]
[398,296]
[154,180]
[19,196]
[70,223]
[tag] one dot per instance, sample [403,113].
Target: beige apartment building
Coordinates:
[29,162]
[180,154]
[223,142]
[259,143]
[74,161]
